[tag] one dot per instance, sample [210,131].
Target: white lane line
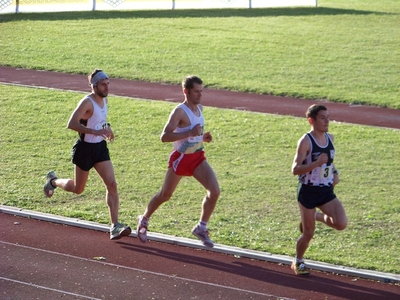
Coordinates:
[47,288]
[142,271]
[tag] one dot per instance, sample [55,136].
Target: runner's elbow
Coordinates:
[295,171]
[163,138]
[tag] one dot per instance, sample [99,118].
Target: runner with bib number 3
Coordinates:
[313,163]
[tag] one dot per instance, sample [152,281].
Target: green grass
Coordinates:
[343,51]
[252,155]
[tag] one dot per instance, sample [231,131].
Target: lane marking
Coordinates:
[138,270]
[47,288]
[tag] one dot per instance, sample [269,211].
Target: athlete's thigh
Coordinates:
[206,176]
[307,218]
[105,169]
[334,209]
[81,178]
[171,181]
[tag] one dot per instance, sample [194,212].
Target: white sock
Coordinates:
[145,221]
[202,225]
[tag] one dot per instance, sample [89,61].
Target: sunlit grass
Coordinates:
[343,51]
[251,154]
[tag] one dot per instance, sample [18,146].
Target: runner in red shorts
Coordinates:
[185,130]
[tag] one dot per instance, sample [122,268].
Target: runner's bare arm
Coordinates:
[303,148]
[336,179]
[84,110]
[177,118]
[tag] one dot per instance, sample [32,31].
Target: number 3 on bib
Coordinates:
[325,171]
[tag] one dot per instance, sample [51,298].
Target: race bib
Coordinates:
[322,175]
[325,171]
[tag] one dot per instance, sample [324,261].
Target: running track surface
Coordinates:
[43,260]
[357,114]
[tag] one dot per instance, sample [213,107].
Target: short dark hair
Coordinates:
[189,81]
[313,110]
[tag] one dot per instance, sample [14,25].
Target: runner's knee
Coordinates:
[308,235]
[111,186]
[78,190]
[214,193]
[165,195]
[341,225]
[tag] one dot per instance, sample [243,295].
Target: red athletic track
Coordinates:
[357,114]
[42,260]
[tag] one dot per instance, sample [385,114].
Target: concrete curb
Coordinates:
[238,252]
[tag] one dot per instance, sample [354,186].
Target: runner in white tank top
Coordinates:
[185,129]
[97,121]
[91,151]
[190,144]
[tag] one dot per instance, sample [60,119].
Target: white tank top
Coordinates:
[97,121]
[191,144]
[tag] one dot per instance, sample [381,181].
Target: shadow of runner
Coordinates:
[246,271]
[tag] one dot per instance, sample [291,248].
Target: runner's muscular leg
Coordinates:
[308,221]
[206,176]
[105,169]
[171,181]
[76,185]
[333,215]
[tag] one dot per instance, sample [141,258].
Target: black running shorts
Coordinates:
[314,196]
[86,155]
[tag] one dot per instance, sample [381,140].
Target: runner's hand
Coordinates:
[207,137]
[107,134]
[322,159]
[196,130]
